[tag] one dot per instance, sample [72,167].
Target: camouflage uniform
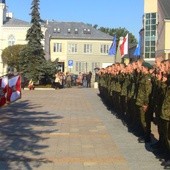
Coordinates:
[165,118]
[131,101]
[144,91]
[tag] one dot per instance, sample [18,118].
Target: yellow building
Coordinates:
[79,47]
[156,22]
[163,43]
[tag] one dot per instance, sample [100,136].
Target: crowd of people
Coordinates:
[68,80]
[139,94]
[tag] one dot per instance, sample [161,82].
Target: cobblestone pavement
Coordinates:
[68,129]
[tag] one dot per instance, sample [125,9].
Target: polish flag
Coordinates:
[14,88]
[124,46]
[3,90]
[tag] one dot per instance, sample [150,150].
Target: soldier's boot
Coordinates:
[145,139]
[167,164]
[156,145]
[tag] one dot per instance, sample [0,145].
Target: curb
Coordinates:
[39,89]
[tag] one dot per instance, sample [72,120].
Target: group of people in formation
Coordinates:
[68,80]
[139,93]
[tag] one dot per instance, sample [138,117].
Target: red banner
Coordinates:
[10,89]
[3,90]
[14,88]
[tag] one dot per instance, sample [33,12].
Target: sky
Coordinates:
[105,13]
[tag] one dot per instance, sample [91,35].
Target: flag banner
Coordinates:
[137,51]
[3,90]
[124,46]
[138,48]
[112,50]
[14,88]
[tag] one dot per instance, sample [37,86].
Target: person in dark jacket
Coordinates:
[89,76]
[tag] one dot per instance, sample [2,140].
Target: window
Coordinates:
[148,27]
[76,31]
[147,43]
[147,49]
[146,55]
[153,49]
[69,30]
[153,15]
[153,43]
[72,48]
[147,33]
[147,22]
[153,33]
[153,55]
[54,30]
[11,40]
[153,27]
[88,48]
[147,15]
[84,30]
[81,66]
[150,34]
[58,30]
[104,49]
[57,47]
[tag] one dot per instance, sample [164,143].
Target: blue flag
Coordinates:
[112,50]
[137,50]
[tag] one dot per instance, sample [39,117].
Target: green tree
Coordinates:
[50,69]
[120,32]
[32,61]
[11,56]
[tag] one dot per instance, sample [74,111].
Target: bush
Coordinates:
[43,86]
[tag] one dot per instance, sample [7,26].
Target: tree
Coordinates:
[32,61]
[11,56]
[50,69]
[120,32]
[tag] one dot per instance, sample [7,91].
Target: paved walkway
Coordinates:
[68,129]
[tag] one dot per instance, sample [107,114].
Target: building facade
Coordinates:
[156,35]
[163,42]
[12,31]
[78,47]
[150,29]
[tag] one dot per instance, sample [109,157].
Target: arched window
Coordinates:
[11,40]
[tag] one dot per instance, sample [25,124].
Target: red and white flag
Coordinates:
[14,88]
[124,46]
[3,90]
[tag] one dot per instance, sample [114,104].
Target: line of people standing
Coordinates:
[139,93]
[68,80]
[84,79]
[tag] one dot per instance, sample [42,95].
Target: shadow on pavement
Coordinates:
[22,135]
[136,130]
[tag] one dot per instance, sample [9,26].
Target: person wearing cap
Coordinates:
[165,117]
[142,102]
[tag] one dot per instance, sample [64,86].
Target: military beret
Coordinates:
[147,65]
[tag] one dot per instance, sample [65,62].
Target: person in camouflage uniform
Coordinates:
[142,101]
[131,97]
[165,111]
[145,92]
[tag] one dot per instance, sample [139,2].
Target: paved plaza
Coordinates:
[68,129]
